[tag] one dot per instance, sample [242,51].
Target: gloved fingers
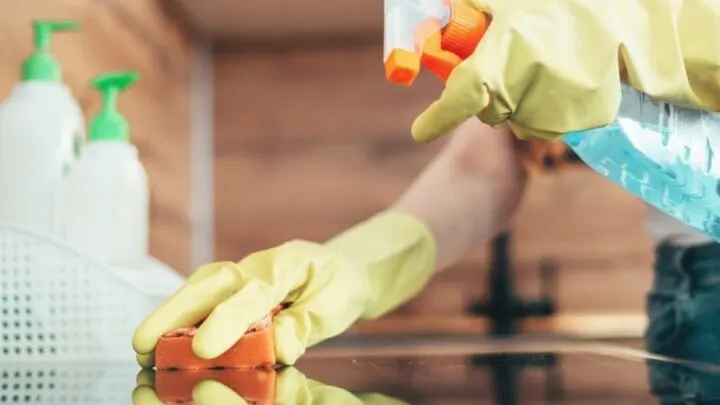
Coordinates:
[329,303]
[291,387]
[145,360]
[462,98]
[229,321]
[471,89]
[288,345]
[145,377]
[524,71]
[309,321]
[187,307]
[210,392]
[145,395]
[294,388]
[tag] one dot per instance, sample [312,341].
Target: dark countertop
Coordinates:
[382,372]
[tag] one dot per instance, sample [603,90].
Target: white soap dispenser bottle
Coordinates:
[41,130]
[107,197]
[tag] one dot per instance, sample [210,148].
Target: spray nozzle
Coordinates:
[42,65]
[109,124]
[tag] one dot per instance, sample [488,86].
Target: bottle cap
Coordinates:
[109,124]
[465,30]
[42,65]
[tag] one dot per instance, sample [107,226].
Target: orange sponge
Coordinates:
[254,350]
[256,387]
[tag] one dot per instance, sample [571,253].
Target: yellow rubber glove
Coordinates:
[554,66]
[362,273]
[291,387]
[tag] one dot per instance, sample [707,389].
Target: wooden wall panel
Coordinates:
[310,142]
[251,21]
[124,35]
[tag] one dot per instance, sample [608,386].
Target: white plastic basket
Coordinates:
[57,305]
[55,384]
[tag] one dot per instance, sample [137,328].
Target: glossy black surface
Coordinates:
[559,374]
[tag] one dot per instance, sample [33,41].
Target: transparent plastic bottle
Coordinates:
[664,154]
[107,196]
[41,129]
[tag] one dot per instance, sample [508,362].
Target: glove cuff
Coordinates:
[396,251]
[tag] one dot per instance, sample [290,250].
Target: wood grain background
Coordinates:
[311,141]
[124,35]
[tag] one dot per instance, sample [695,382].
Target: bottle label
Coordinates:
[671,136]
[662,153]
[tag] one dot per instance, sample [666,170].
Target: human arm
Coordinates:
[469,192]
[464,197]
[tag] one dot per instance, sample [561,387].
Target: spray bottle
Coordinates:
[659,152]
[41,129]
[107,197]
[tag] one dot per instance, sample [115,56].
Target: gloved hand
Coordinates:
[555,66]
[291,387]
[362,273]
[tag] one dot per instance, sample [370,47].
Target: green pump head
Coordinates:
[109,124]
[42,65]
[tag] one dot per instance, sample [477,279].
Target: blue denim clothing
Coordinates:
[674,384]
[684,303]
[684,322]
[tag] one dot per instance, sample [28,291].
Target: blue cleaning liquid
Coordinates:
[664,154]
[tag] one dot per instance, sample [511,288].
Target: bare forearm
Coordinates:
[469,191]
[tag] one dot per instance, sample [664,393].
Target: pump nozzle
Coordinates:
[42,65]
[109,124]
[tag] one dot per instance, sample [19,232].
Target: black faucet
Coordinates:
[504,308]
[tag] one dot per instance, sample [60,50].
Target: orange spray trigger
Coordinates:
[402,66]
[456,41]
[438,61]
